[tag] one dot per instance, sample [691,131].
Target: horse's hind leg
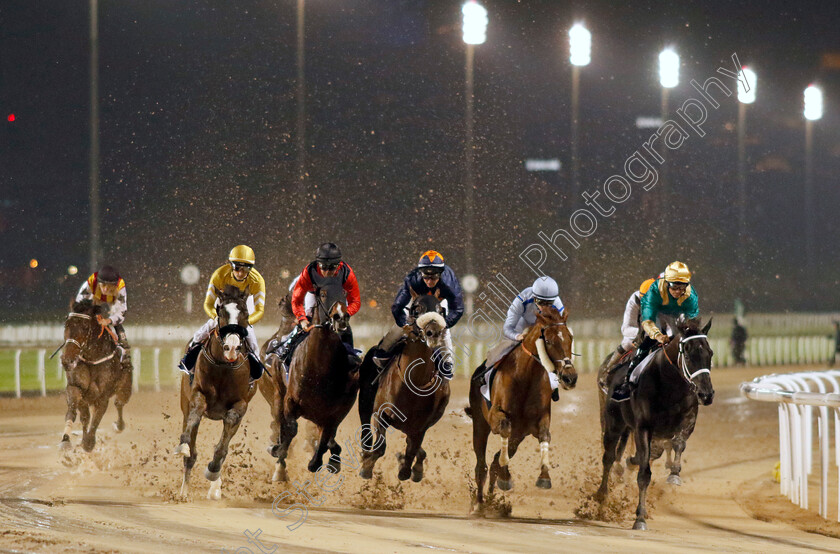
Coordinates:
[613,436]
[232,419]
[74,396]
[327,434]
[288,431]
[481,430]
[412,445]
[643,479]
[89,436]
[123,395]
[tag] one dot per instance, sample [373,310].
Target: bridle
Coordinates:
[566,361]
[319,305]
[683,364]
[83,344]
[217,335]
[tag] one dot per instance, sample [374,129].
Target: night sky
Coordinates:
[197,105]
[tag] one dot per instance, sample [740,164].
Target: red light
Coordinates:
[11,117]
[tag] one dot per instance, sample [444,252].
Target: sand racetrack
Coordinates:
[122,497]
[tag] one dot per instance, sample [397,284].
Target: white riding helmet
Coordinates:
[545,288]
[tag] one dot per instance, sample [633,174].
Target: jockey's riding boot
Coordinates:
[623,391]
[125,359]
[257,367]
[187,363]
[354,360]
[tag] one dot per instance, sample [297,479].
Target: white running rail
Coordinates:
[797,395]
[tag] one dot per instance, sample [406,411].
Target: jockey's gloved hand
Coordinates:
[662,339]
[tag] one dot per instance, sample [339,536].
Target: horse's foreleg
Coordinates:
[417,468]
[643,479]
[506,452]
[544,436]
[288,430]
[613,435]
[89,436]
[192,418]
[74,396]
[327,434]
[189,460]
[375,450]
[123,395]
[412,446]
[481,430]
[231,422]
[678,444]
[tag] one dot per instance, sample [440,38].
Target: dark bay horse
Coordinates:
[663,408]
[521,399]
[268,386]
[94,373]
[321,386]
[411,395]
[220,389]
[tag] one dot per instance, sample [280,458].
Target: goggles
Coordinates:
[543,302]
[237,266]
[677,285]
[328,266]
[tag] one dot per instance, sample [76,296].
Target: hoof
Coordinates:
[416,476]
[366,472]
[333,466]
[182,449]
[675,480]
[504,485]
[404,473]
[640,526]
[314,466]
[65,443]
[544,483]
[211,475]
[279,475]
[215,491]
[119,427]
[88,443]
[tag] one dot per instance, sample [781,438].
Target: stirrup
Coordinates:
[623,392]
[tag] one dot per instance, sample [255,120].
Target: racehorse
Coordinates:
[320,387]
[268,386]
[94,374]
[663,406]
[521,399]
[411,395]
[220,389]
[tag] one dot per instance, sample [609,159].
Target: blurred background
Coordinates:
[220,124]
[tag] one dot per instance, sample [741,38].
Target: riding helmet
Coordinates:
[328,253]
[107,274]
[431,262]
[677,272]
[545,288]
[242,254]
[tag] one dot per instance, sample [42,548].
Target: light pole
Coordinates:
[744,97]
[95,248]
[301,94]
[813,112]
[580,49]
[669,77]
[475,32]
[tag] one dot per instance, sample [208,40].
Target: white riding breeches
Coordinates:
[204,332]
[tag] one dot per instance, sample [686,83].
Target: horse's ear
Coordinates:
[708,326]
[565,315]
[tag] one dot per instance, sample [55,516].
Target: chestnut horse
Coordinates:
[220,389]
[521,399]
[663,407]
[411,395]
[321,385]
[91,360]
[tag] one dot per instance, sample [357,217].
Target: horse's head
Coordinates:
[326,298]
[422,304]
[232,313]
[695,357]
[554,345]
[432,329]
[338,317]
[80,328]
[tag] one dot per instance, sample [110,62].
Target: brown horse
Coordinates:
[91,360]
[411,396]
[268,386]
[220,389]
[521,399]
[661,410]
[321,386]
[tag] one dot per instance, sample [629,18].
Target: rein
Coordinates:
[204,351]
[83,344]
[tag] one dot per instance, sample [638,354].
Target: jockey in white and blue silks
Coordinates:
[521,315]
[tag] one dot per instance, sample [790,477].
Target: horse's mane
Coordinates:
[690,327]
[431,303]
[285,306]
[233,294]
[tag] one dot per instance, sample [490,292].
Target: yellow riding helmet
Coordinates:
[242,254]
[677,272]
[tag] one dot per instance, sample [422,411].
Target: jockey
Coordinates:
[631,322]
[431,276]
[326,269]
[239,272]
[522,314]
[671,295]
[107,287]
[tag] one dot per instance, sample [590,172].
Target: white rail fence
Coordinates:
[156,365]
[798,394]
